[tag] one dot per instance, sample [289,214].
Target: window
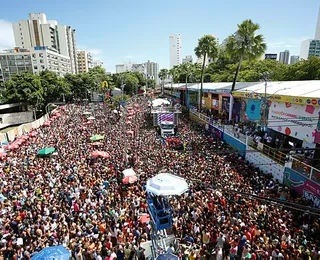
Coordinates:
[42,67]
[35,67]
[33,55]
[41,60]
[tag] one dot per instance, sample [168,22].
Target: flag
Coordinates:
[169,117]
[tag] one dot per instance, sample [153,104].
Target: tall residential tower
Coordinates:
[37,32]
[175,49]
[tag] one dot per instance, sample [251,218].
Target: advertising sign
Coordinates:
[253,109]
[280,98]
[303,186]
[299,121]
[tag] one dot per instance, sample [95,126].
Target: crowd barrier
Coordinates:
[23,129]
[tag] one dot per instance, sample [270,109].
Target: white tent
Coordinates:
[129,172]
[159,101]
[166,184]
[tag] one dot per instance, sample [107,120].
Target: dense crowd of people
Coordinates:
[73,199]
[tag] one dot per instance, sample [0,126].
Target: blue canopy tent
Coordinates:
[167,256]
[52,253]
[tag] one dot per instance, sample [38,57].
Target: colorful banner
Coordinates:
[252,108]
[279,98]
[303,186]
[298,121]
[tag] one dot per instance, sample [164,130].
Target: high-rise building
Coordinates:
[138,67]
[294,59]
[207,62]
[152,69]
[84,59]
[270,56]
[310,48]
[317,34]
[35,59]
[96,63]
[120,68]
[284,57]
[175,49]
[187,59]
[37,31]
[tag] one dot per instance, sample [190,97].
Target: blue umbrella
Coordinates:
[52,253]
[167,256]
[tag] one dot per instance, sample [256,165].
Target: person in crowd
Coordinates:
[79,201]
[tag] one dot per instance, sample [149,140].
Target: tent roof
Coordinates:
[306,88]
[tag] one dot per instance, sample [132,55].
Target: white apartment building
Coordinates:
[187,59]
[96,63]
[310,48]
[120,68]
[152,70]
[84,59]
[294,59]
[37,31]
[139,67]
[33,59]
[175,49]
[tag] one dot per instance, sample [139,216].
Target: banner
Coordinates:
[280,98]
[303,186]
[298,121]
[252,108]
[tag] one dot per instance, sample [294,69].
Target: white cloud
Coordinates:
[6,35]
[287,43]
[128,57]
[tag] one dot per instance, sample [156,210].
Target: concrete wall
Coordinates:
[17,118]
[264,163]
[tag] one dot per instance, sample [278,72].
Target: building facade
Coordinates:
[37,31]
[187,59]
[141,68]
[33,59]
[317,34]
[96,63]
[84,59]
[294,59]
[270,56]
[175,49]
[152,69]
[284,57]
[310,48]
[120,68]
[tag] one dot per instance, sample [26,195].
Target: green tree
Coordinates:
[245,44]
[26,88]
[55,88]
[207,47]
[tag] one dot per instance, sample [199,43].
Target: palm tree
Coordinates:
[163,74]
[244,44]
[207,47]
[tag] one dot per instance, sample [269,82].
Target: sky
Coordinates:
[118,31]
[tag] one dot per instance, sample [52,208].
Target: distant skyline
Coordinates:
[119,31]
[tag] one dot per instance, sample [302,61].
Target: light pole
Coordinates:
[188,97]
[265,77]
[48,105]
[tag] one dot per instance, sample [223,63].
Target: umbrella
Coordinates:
[167,256]
[166,184]
[47,123]
[89,122]
[32,134]
[129,172]
[100,153]
[130,133]
[91,118]
[53,253]
[46,151]
[87,113]
[144,218]
[129,179]
[96,137]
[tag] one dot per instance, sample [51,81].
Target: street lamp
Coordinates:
[49,105]
[265,77]
[188,96]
